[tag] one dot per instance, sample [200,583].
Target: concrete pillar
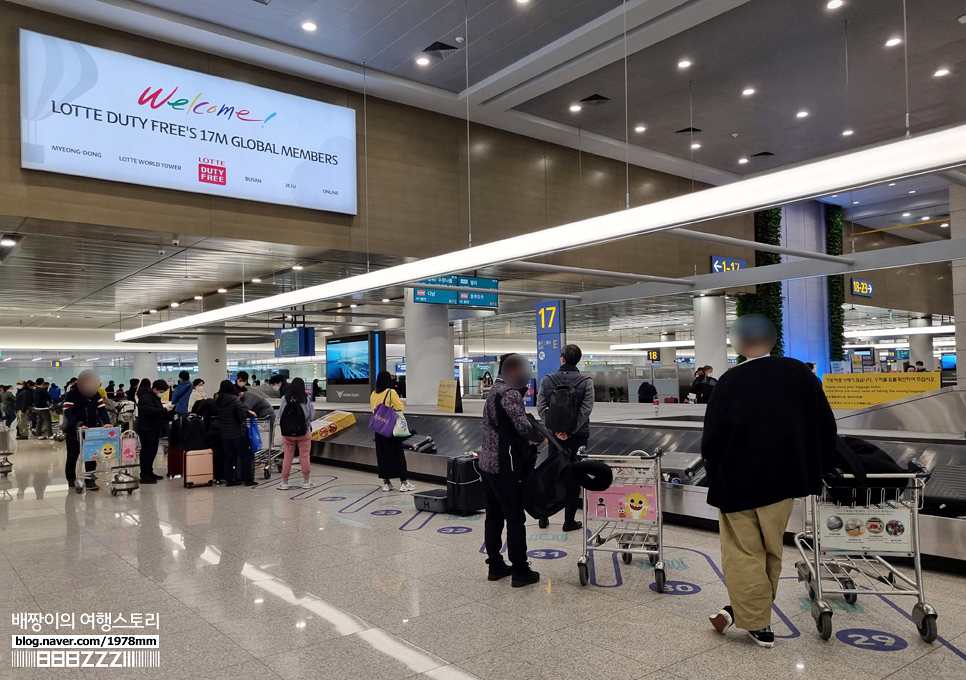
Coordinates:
[805,311]
[920,346]
[957,227]
[429,350]
[669,354]
[212,360]
[710,333]
[146,365]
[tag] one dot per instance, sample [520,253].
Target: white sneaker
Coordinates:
[308,484]
[406,486]
[282,486]
[387,487]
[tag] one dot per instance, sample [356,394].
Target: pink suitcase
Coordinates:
[198,467]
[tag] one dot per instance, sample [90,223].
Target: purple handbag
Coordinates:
[383,419]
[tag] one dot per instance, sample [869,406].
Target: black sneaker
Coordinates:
[157,476]
[724,619]
[544,522]
[524,577]
[763,637]
[498,570]
[91,485]
[144,479]
[573,526]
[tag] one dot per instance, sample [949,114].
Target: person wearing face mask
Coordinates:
[508,453]
[83,408]
[152,415]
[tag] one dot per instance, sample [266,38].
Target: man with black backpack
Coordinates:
[565,401]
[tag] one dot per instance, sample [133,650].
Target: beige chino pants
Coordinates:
[751,559]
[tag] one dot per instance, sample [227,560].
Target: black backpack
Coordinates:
[563,405]
[861,458]
[292,420]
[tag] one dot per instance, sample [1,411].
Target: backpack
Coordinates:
[550,485]
[563,405]
[292,420]
[860,458]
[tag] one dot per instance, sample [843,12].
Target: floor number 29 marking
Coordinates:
[875,640]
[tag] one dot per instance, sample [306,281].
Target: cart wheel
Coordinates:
[4,474]
[113,492]
[851,598]
[652,559]
[824,625]
[189,484]
[583,573]
[660,580]
[927,629]
[891,578]
[130,491]
[626,557]
[279,468]
[267,473]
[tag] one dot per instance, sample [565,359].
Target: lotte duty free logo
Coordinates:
[212,171]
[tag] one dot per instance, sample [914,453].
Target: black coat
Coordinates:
[80,410]
[768,431]
[232,418]
[152,416]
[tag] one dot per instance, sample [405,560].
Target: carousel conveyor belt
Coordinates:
[942,536]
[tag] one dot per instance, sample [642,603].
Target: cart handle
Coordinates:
[885,475]
[643,455]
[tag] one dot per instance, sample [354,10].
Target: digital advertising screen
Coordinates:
[95,113]
[347,360]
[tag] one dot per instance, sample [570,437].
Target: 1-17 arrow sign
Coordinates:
[726,264]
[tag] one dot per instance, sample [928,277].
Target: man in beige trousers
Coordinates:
[767,431]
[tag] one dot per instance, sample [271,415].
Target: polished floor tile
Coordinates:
[344,581]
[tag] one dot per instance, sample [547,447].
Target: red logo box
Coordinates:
[212,174]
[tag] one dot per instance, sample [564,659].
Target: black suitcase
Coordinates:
[420,443]
[464,486]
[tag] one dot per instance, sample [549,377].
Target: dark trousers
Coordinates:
[149,449]
[238,455]
[504,507]
[390,458]
[9,417]
[73,453]
[571,446]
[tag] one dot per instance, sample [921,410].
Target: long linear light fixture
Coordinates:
[657,344]
[900,332]
[935,151]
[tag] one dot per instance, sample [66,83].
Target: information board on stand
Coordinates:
[449,398]
[551,324]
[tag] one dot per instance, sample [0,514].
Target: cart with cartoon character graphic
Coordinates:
[626,518]
[119,451]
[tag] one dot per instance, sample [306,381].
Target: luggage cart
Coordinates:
[846,544]
[57,411]
[269,455]
[106,444]
[8,447]
[628,514]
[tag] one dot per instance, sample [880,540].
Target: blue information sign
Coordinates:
[862,288]
[726,264]
[467,298]
[894,355]
[295,342]
[551,327]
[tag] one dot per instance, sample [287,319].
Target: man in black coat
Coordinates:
[767,431]
[83,408]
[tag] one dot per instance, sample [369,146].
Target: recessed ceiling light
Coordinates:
[742,160]
[422,61]
[848,133]
[175,305]
[309,26]
[801,114]
[353,306]
[944,225]
[748,91]
[912,191]
[892,184]
[941,72]
[297,267]
[855,202]
[574,108]
[522,2]
[835,195]
[152,311]
[696,145]
[640,128]
[892,42]
[7,243]
[834,4]
[222,290]
[926,218]
[198,297]
[256,280]
[385,299]
[684,63]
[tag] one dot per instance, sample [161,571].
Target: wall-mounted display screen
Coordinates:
[949,362]
[96,113]
[347,360]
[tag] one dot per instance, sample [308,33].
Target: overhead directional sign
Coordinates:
[861,288]
[727,264]
[461,298]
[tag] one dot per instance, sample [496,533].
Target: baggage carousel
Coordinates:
[942,529]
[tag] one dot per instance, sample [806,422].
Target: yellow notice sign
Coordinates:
[446,399]
[858,390]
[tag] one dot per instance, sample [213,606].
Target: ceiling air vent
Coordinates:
[439,49]
[762,154]
[687,131]
[595,100]
[263,2]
